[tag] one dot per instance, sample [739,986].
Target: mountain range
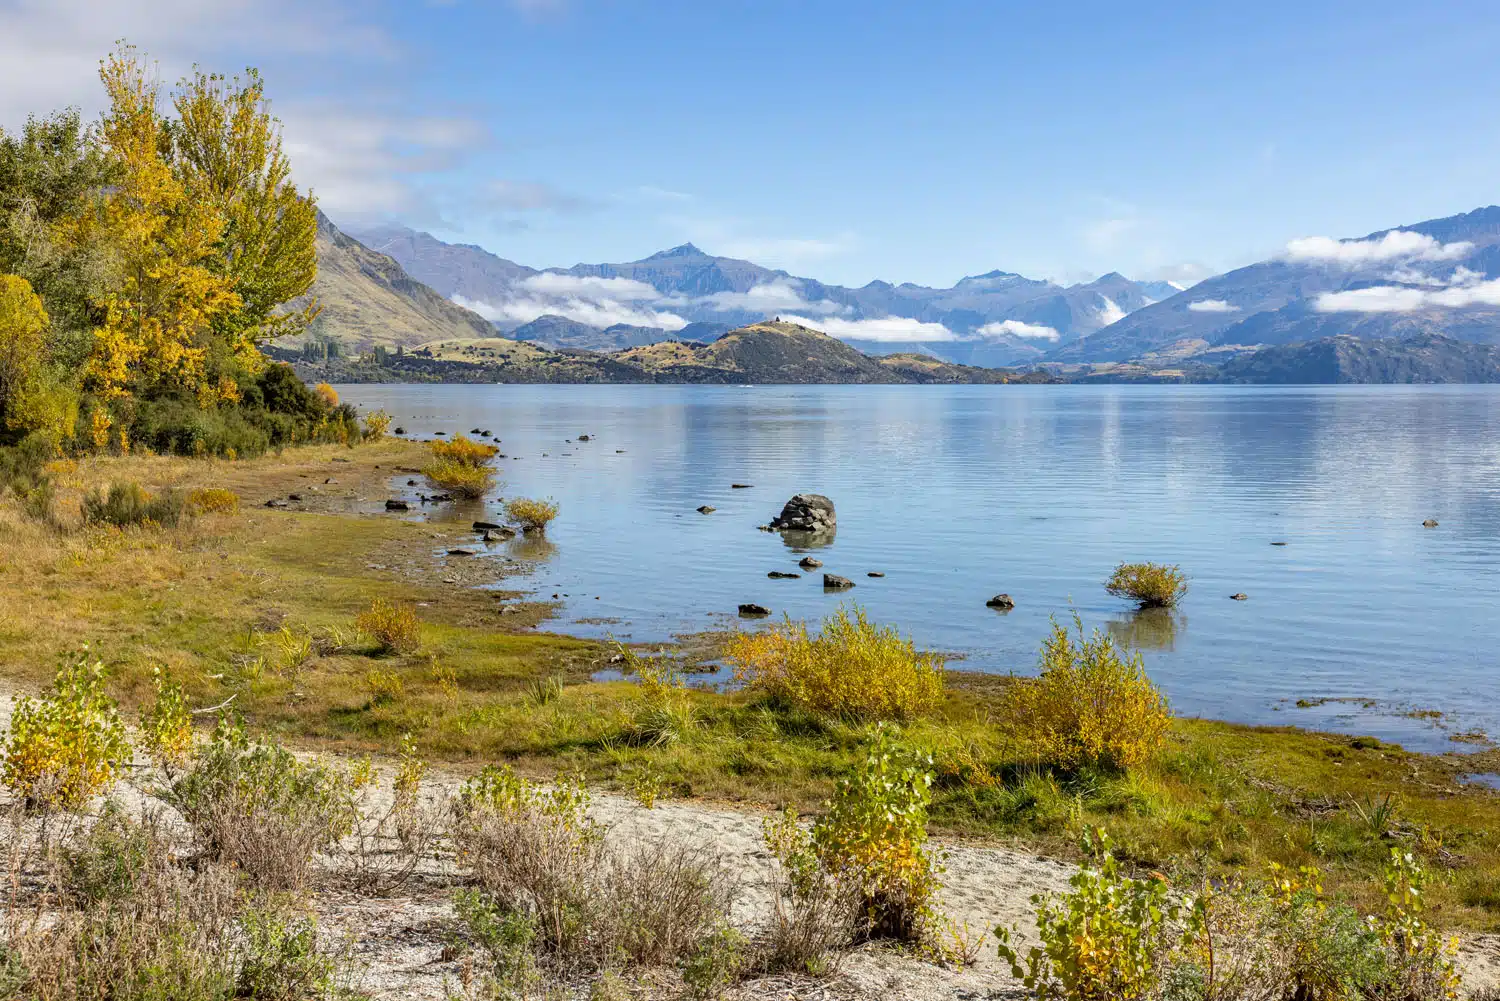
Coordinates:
[392,286]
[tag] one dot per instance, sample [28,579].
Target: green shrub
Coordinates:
[23,474]
[259,808]
[128,505]
[392,625]
[167,725]
[1088,707]
[281,959]
[715,964]
[531,515]
[1153,585]
[67,745]
[853,668]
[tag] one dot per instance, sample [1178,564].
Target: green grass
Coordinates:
[210,598]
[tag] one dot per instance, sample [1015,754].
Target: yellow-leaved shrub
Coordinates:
[1153,585]
[851,668]
[213,500]
[1089,706]
[464,451]
[531,515]
[468,482]
[67,745]
[392,625]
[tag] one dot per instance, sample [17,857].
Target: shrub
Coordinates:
[213,500]
[1154,585]
[128,504]
[281,959]
[815,910]
[715,964]
[68,745]
[327,394]
[1088,707]
[389,843]
[376,425]
[260,809]
[385,687]
[468,482]
[852,668]
[531,515]
[1106,940]
[167,725]
[24,473]
[392,625]
[463,451]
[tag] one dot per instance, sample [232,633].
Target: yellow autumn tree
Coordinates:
[229,156]
[23,325]
[169,294]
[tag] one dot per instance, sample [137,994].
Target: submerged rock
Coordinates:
[1001,601]
[707,509]
[1430,523]
[808,563]
[782,575]
[875,573]
[749,608]
[1241,596]
[487,526]
[584,437]
[740,486]
[397,505]
[461,551]
[833,582]
[806,513]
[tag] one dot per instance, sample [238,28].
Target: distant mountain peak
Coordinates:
[684,250]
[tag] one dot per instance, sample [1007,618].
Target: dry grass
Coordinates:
[213,500]
[394,628]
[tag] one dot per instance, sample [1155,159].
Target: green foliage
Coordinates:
[1153,585]
[128,505]
[281,959]
[67,745]
[1104,941]
[1089,707]
[167,724]
[715,964]
[508,938]
[853,668]
[23,473]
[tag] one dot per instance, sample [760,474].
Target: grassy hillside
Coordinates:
[369,301]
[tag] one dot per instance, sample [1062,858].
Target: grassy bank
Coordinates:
[260,605]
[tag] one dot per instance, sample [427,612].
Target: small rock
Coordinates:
[754,610]
[399,431]
[340,458]
[1430,523]
[293,497]
[764,528]
[486,526]
[499,534]
[463,552]
[485,434]
[782,575]
[330,480]
[619,451]
[1242,596]
[473,431]
[396,505]
[440,434]
[706,509]
[411,483]
[1001,601]
[1278,543]
[808,563]
[584,437]
[740,486]
[833,582]
[277,502]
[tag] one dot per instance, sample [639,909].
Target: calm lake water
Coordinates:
[957,493]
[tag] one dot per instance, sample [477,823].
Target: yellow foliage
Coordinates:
[167,726]
[852,668]
[23,322]
[1088,706]
[460,479]
[392,625]
[213,500]
[99,425]
[531,515]
[463,451]
[327,393]
[376,424]
[1154,585]
[66,746]
[167,297]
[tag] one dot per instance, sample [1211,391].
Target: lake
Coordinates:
[1369,620]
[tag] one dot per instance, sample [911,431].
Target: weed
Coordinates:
[392,625]
[384,687]
[852,668]
[376,424]
[715,964]
[167,724]
[544,691]
[129,505]
[213,500]
[1152,585]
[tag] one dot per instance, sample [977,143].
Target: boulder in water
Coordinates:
[806,513]
[1004,602]
[833,582]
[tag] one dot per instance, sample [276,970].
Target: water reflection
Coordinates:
[1147,629]
[533,547]
[802,541]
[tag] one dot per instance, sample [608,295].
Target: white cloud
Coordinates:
[596,313]
[1212,306]
[590,287]
[1015,328]
[1109,312]
[1398,244]
[1394,299]
[887,328]
[1177,285]
[780,295]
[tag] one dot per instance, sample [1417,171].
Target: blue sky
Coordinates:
[842,141]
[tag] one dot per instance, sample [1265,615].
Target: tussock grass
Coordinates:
[1152,585]
[459,479]
[531,515]
[463,451]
